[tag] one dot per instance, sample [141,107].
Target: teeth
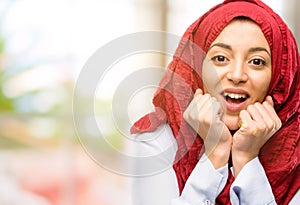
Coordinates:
[235,95]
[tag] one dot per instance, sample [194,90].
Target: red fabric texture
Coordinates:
[280,156]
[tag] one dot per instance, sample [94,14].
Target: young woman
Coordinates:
[228,112]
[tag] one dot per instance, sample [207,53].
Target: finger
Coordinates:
[205,104]
[195,101]
[247,124]
[263,120]
[270,109]
[268,118]
[198,92]
[195,107]
[245,120]
[210,109]
[201,100]
[254,113]
[217,111]
[269,100]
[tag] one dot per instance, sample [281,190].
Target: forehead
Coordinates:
[242,33]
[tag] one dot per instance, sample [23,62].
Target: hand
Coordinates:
[204,115]
[258,124]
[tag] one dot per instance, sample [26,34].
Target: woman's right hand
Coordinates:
[204,115]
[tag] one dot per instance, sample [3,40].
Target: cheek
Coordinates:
[261,84]
[210,77]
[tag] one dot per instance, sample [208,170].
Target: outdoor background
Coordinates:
[43,46]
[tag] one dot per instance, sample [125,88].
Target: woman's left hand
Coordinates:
[258,124]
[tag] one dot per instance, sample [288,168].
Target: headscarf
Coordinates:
[280,156]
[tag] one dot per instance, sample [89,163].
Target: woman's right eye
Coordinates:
[219,59]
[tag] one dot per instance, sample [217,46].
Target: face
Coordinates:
[237,69]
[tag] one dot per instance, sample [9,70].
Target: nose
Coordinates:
[237,73]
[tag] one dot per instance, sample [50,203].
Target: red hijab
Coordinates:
[280,156]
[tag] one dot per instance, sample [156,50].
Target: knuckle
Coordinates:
[257,104]
[269,126]
[205,120]
[250,107]
[185,115]
[279,123]
[243,112]
[261,127]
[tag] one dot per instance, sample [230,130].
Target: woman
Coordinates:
[230,98]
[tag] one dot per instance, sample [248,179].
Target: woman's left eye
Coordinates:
[258,62]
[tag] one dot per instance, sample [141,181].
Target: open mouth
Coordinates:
[235,98]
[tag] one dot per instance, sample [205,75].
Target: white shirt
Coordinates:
[156,183]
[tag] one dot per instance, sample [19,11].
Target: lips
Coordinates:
[235,99]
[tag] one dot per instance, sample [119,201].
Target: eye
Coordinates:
[219,59]
[258,62]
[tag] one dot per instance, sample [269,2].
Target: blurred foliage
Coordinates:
[41,115]
[6,104]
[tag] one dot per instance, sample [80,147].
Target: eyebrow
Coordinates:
[251,50]
[222,45]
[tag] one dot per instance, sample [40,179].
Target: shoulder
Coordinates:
[154,151]
[157,141]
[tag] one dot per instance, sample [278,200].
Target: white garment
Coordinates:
[156,183]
